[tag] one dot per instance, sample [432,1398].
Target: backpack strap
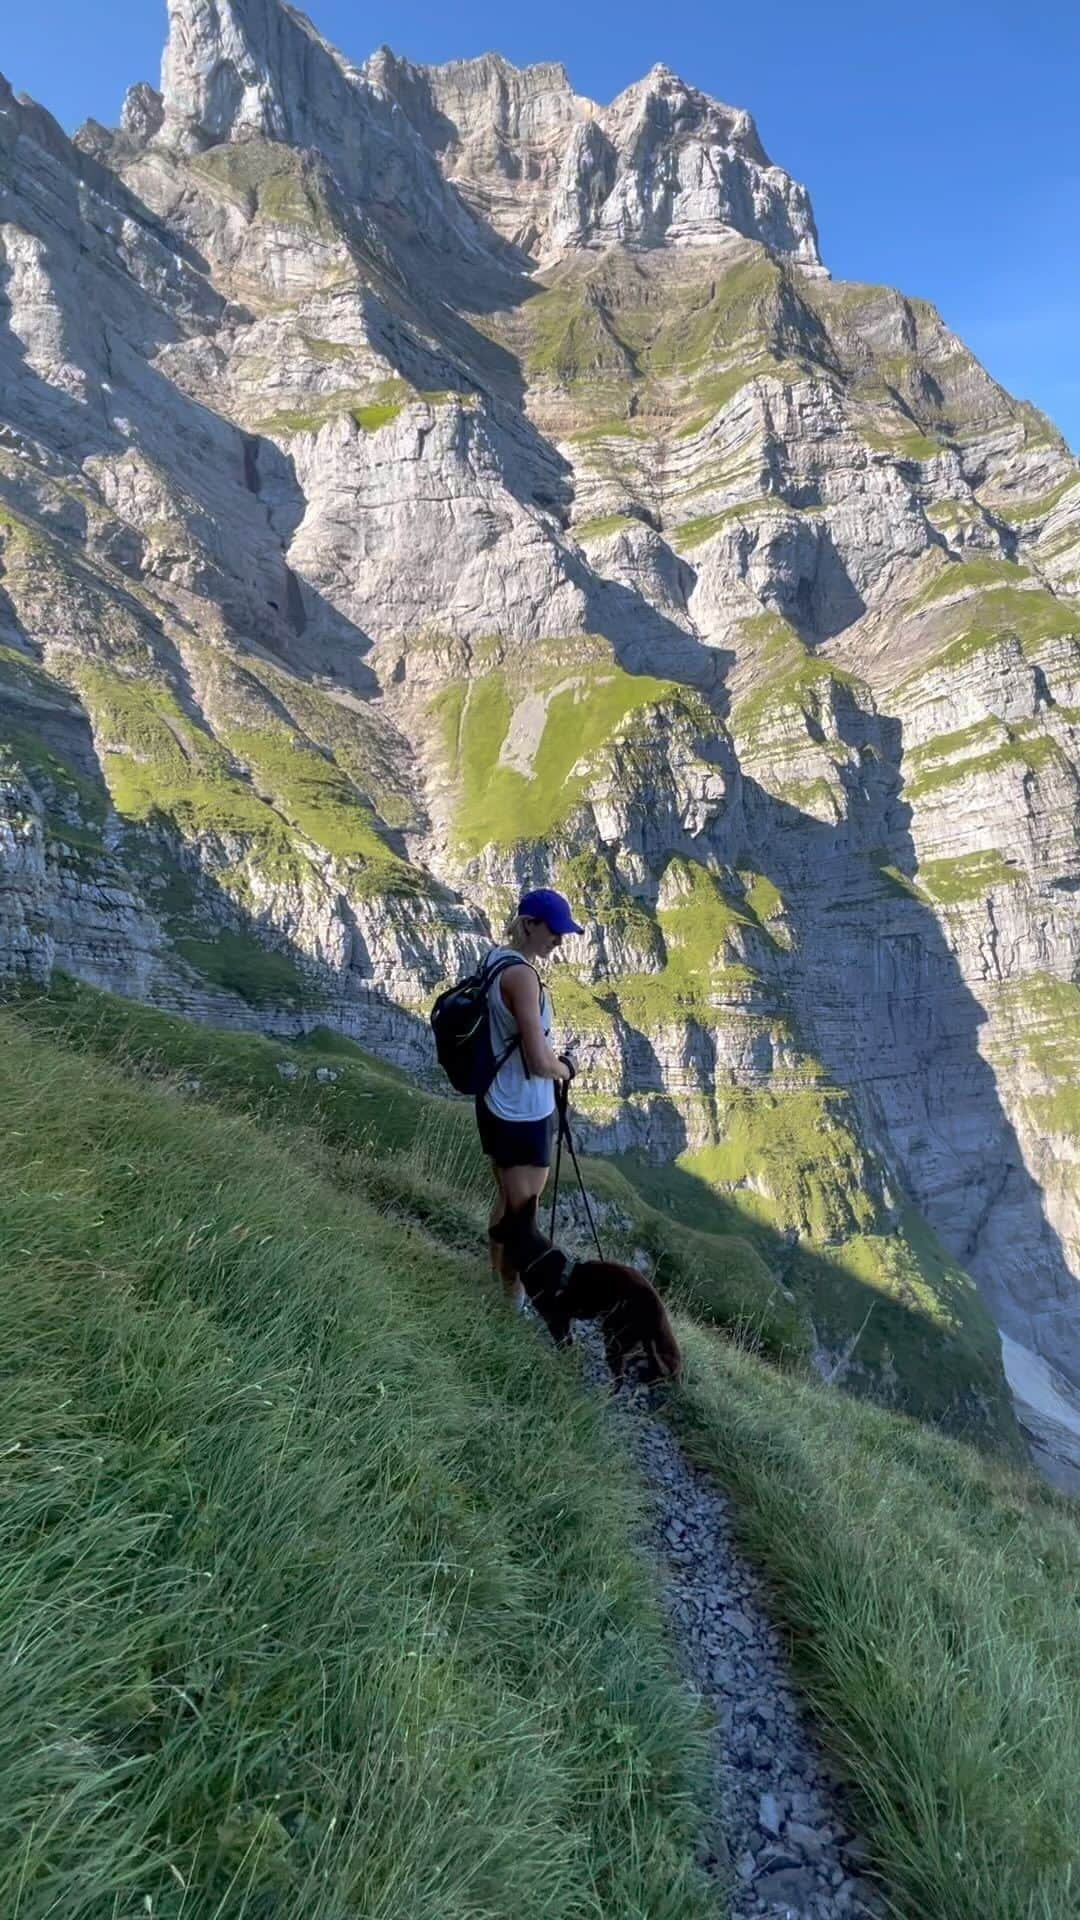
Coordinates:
[488,975]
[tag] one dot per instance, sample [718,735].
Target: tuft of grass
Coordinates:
[903,446]
[694,533]
[606,334]
[1042,1018]
[969,576]
[369,415]
[1027,617]
[711,394]
[370,408]
[299,1623]
[163,765]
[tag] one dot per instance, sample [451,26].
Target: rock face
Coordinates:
[552,171]
[417,482]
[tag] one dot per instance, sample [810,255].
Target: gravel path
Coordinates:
[783,1843]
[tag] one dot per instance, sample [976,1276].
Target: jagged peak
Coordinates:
[668,164]
[547,73]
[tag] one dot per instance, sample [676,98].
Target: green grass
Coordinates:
[164,767]
[273,182]
[957,881]
[1030,616]
[268,793]
[320,801]
[74,808]
[800,1152]
[701,929]
[22,538]
[601,323]
[711,393]
[763,897]
[604,334]
[873,1284]
[967,877]
[572,339]
[713,316]
[616,428]
[905,446]
[928,1344]
[370,408]
[693,533]
[954,512]
[500,806]
[353,737]
[300,1626]
[1018,512]
[930,1601]
[1042,1021]
[420,1677]
[604,525]
[590,881]
[793,679]
[967,576]
[328,351]
[259,975]
[368,1105]
[1033,750]
[369,415]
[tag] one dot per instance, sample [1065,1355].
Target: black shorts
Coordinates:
[514,1143]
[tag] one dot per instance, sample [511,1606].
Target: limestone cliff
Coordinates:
[414,482]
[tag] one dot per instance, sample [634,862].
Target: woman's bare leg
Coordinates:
[517,1186]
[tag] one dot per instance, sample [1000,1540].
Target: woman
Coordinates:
[516,1114]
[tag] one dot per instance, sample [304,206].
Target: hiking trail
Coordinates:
[780,1837]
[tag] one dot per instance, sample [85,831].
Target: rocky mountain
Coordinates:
[415,482]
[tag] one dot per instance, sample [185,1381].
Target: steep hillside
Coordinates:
[414,482]
[883,1314]
[324,1573]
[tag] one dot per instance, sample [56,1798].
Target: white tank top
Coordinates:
[515,1094]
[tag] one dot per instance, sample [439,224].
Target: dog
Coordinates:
[631,1313]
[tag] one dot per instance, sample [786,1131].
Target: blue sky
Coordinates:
[938,143]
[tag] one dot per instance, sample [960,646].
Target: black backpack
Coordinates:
[462,1029]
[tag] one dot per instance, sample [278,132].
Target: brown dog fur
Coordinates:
[631,1313]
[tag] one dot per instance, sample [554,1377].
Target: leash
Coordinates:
[562,1108]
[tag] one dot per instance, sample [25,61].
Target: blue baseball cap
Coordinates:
[543,903]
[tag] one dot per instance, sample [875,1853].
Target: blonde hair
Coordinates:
[514,929]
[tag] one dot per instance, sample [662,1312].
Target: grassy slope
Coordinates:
[191,1402]
[915,1317]
[301,1626]
[585,706]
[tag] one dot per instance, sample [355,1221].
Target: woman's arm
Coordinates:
[521,993]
